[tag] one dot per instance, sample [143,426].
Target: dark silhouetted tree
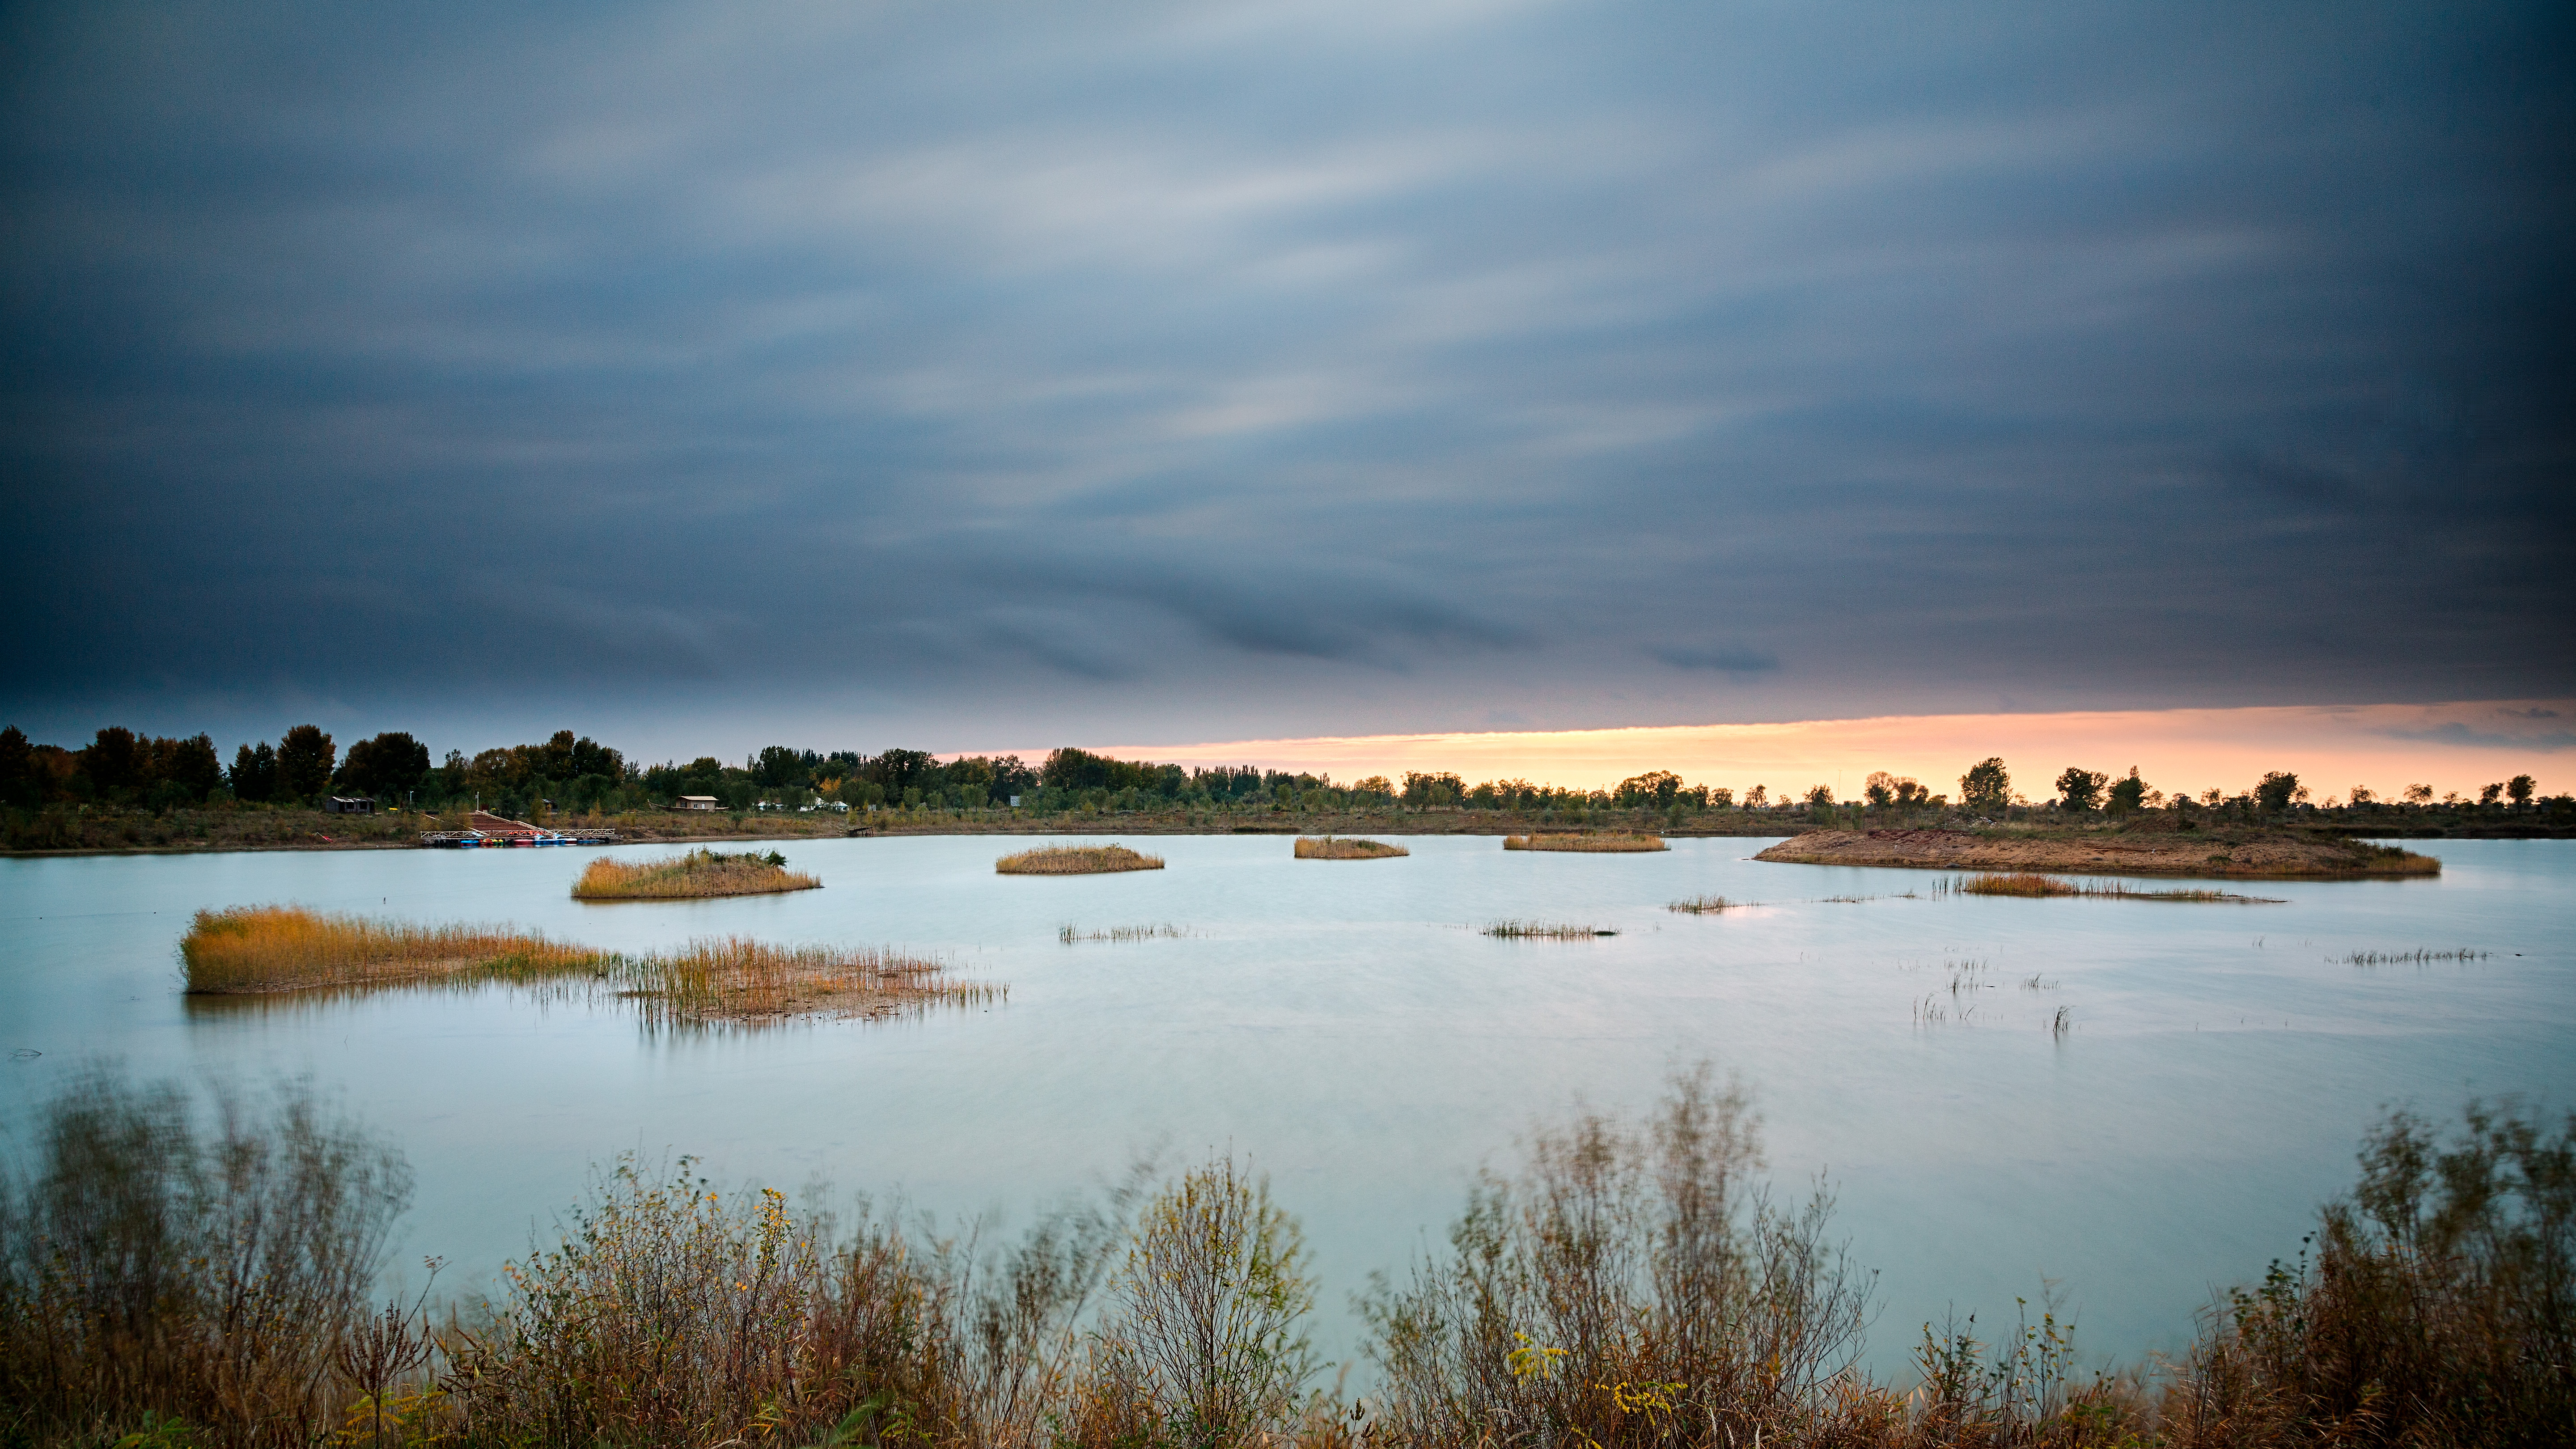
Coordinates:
[2518,789]
[304,759]
[2079,789]
[390,765]
[114,762]
[254,773]
[1879,789]
[2128,793]
[1986,787]
[20,785]
[2276,790]
[2488,795]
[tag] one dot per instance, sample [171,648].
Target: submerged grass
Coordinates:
[695,875]
[268,949]
[1343,847]
[1707,905]
[1076,860]
[1069,933]
[1606,841]
[2413,958]
[1545,931]
[2001,883]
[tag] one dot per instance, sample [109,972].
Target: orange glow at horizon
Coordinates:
[2451,747]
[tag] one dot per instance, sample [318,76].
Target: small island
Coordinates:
[1604,841]
[1076,860]
[1343,847]
[697,875]
[2214,853]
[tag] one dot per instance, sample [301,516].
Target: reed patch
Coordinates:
[1605,842]
[2424,957]
[696,875]
[273,949]
[1706,905]
[1545,931]
[1070,934]
[1343,847]
[1076,860]
[2019,883]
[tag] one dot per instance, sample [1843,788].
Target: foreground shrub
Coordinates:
[156,1268]
[2440,1307]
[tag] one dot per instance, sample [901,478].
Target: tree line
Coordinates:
[575,773]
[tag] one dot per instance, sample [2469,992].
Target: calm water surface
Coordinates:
[1343,1025]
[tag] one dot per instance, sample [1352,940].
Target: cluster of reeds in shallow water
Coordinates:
[1635,1285]
[270,949]
[1345,847]
[1604,841]
[2013,883]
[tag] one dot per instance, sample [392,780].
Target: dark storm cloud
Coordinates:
[1262,368]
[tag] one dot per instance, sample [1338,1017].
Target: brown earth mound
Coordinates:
[2187,853]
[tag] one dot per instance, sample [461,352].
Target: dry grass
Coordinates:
[1605,842]
[2021,884]
[2425,957]
[1076,860]
[288,948]
[264,949]
[1545,931]
[732,979]
[1069,933]
[695,875]
[1706,905]
[1341,847]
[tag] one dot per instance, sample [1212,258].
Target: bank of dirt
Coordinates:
[2214,853]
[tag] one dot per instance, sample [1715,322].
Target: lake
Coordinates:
[1344,1025]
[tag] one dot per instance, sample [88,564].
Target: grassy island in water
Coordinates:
[1342,847]
[1076,860]
[1605,842]
[693,876]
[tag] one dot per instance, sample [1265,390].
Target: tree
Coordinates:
[2276,789]
[2488,795]
[2080,789]
[1820,797]
[304,759]
[20,785]
[186,770]
[2128,793]
[254,772]
[1658,788]
[391,765]
[2419,794]
[2519,790]
[1879,789]
[1986,787]
[1756,798]
[2363,795]
[778,767]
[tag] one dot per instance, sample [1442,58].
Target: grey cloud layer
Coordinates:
[1271,367]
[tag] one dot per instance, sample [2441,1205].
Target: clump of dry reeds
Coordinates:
[1605,841]
[289,948]
[1545,931]
[2001,883]
[2424,957]
[692,876]
[1705,905]
[1069,933]
[739,980]
[1342,847]
[1076,860]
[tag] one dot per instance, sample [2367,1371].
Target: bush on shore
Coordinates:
[164,1282]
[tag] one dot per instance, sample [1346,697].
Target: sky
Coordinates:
[968,376]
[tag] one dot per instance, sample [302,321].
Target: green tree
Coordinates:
[304,759]
[2079,789]
[2519,790]
[1986,788]
[1658,788]
[2276,790]
[114,762]
[2128,793]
